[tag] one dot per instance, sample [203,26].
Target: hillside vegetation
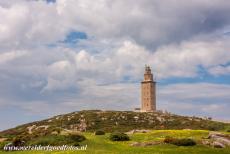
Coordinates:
[109,121]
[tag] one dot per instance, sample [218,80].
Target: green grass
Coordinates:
[100,144]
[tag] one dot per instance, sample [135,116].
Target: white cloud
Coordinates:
[203,99]
[13,21]
[201,91]
[9,56]
[220,70]
[28,23]
[147,22]
[60,75]
[127,61]
[184,59]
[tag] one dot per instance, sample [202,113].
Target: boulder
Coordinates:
[223,140]
[218,140]
[218,145]
[206,142]
[131,132]
[138,131]
[144,144]
[135,144]
[213,135]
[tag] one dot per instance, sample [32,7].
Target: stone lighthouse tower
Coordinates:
[148,92]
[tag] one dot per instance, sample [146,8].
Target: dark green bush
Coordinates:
[117,136]
[185,142]
[228,130]
[18,141]
[99,132]
[215,126]
[76,144]
[55,140]
[77,137]
[180,142]
[51,140]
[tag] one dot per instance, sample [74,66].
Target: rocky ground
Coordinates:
[217,140]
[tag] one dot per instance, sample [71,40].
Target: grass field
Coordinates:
[102,145]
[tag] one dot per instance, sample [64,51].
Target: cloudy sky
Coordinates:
[59,56]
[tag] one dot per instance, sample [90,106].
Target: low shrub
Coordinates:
[215,126]
[77,137]
[184,142]
[56,140]
[117,136]
[228,130]
[18,141]
[99,132]
[179,142]
[52,140]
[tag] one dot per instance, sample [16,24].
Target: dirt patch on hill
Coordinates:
[3,139]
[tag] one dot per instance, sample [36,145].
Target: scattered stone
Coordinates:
[57,118]
[103,118]
[144,144]
[138,131]
[217,140]
[130,132]
[218,145]
[206,142]
[143,131]
[30,128]
[135,144]
[54,133]
[161,119]
[213,135]
[223,140]
[43,126]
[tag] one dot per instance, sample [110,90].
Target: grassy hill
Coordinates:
[109,121]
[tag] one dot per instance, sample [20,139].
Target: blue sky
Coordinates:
[67,55]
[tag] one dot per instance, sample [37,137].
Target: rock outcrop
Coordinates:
[144,144]
[138,131]
[217,140]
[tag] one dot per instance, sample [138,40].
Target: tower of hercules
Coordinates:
[148,92]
